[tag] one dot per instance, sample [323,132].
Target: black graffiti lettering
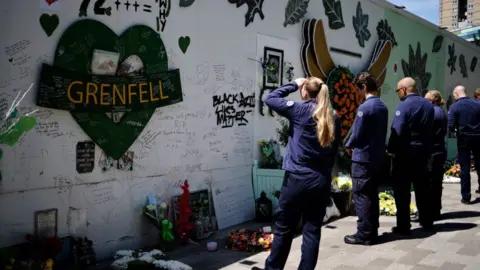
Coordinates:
[227,116]
[261,104]
[83,8]
[240,99]
[100,10]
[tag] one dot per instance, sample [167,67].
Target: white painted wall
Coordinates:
[180,142]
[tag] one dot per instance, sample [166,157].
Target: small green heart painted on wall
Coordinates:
[49,23]
[183,43]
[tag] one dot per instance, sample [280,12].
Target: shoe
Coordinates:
[404,232]
[414,219]
[256,268]
[466,202]
[428,228]
[354,240]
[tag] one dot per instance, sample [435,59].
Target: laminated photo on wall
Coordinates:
[104,62]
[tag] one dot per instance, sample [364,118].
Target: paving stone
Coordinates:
[452,266]
[424,267]
[414,256]
[380,262]
[471,249]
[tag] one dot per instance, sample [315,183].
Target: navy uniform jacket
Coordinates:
[440,131]
[464,116]
[369,132]
[304,153]
[412,128]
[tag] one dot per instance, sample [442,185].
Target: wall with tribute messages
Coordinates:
[135,96]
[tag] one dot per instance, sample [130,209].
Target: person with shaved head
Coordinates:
[410,144]
[464,119]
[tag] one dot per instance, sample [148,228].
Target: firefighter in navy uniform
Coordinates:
[368,142]
[410,144]
[439,154]
[464,119]
[312,146]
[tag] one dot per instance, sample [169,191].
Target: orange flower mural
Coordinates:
[345,99]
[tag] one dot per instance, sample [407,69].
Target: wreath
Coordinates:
[345,101]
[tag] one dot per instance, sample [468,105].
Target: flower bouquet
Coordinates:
[452,175]
[250,241]
[154,259]
[388,206]
[341,183]
[157,215]
[342,193]
[36,254]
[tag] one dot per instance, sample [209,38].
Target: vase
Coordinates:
[205,223]
[213,223]
[343,201]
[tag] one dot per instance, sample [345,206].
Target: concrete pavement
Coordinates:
[455,246]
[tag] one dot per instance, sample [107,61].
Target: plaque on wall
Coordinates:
[85,156]
[46,223]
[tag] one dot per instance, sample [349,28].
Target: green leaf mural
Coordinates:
[473,64]
[295,11]
[333,10]
[452,58]
[463,66]
[360,24]
[437,43]
[385,32]
[416,68]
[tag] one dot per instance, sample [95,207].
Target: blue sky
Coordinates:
[427,9]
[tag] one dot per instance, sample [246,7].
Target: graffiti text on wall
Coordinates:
[98,8]
[232,109]
[163,13]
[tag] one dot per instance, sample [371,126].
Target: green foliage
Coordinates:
[295,11]
[333,10]
[463,66]
[360,24]
[267,158]
[437,43]
[385,32]
[283,132]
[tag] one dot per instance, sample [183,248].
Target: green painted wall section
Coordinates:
[410,33]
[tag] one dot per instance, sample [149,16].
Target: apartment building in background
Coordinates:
[459,14]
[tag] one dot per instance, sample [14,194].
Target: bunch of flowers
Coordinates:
[154,259]
[247,240]
[344,96]
[341,183]
[454,171]
[388,206]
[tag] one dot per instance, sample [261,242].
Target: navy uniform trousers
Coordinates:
[365,181]
[303,196]
[467,145]
[436,177]
[408,170]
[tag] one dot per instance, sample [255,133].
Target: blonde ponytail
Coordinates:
[324,116]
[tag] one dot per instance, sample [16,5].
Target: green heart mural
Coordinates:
[74,53]
[183,43]
[49,23]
